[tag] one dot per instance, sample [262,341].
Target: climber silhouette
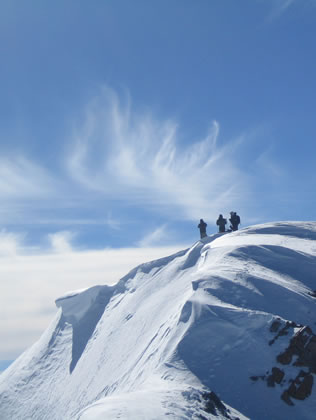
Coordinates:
[221,222]
[202,226]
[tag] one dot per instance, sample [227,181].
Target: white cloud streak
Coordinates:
[112,222]
[20,178]
[158,236]
[118,156]
[140,160]
[268,167]
[280,7]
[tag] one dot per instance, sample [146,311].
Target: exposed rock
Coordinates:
[276,324]
[213,403]
[303,345]
[281,332]
[215,406]
[301,387]
[256,377]
[301,351]
[277,375]
[286,398]
[305,388]
[308,354]
[285,358]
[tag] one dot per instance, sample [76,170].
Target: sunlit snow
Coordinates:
[173,329]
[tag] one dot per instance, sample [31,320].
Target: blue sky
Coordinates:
[123,123]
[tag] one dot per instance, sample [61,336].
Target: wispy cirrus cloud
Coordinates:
[22,178]
[121,158]
[156,237]
[141,160]
[112,222]
[279,7]
[268,167]
[28,190]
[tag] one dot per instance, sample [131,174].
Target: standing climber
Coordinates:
[202,226]
[234,220]
[221,222]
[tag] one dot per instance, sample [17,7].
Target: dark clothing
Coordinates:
[221,222]
[202,226]
[235,221]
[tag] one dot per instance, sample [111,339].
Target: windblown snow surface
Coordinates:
[209,318]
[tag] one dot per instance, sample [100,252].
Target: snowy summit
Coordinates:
[223,330]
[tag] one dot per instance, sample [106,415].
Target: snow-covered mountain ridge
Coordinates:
[226,315]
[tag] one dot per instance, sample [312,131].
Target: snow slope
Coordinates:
[155,344]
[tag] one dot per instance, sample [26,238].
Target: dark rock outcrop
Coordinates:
[300,352]
[276,376]
[214,405]
[302,345]
[275,327]
[300,388]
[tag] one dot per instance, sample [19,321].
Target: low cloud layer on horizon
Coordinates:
[32,279]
